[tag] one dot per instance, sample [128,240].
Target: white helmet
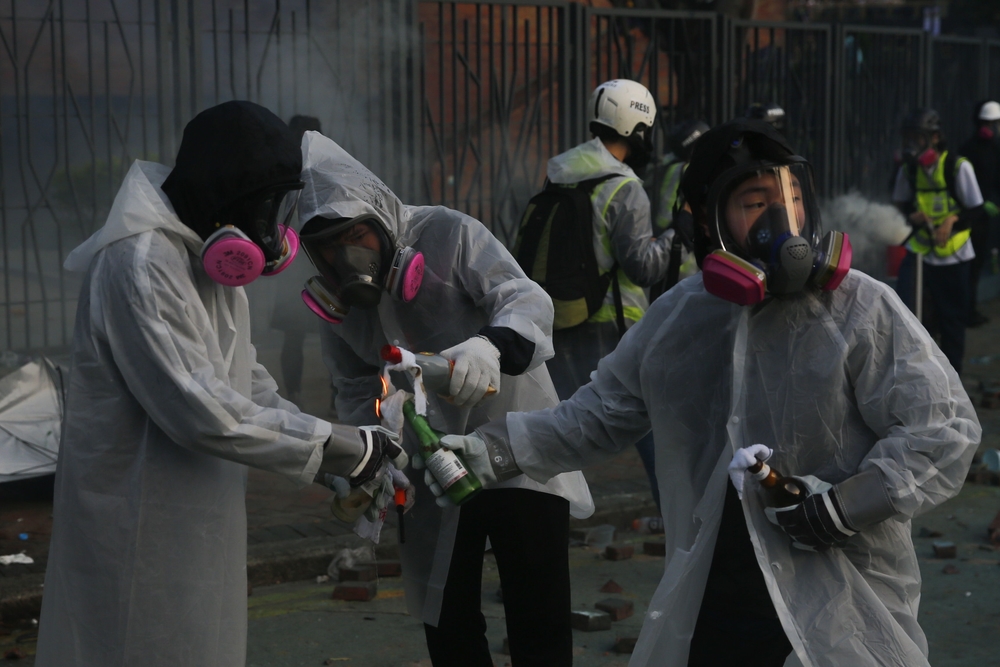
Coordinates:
[990,111]
[627,108]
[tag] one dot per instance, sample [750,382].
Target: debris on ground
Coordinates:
[945,549]
[625,644]
[654,548]
[356,591]
[611,586]
[590,621]
[949,569]
[617,608]
[619,551]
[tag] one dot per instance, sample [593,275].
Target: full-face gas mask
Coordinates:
[254,237]
[766,220]
[357,260]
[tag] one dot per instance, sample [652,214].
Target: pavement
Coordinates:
[292,538]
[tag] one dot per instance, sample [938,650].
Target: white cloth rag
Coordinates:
[16,558]
[409,365]
[743,459]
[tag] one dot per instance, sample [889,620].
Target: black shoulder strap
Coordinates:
[951,175]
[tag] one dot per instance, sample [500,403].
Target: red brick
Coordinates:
[625,644]
[654,548]
[617,608]
[611,587]
[361,591]
[590,621]
[390,568]
[945,550]
[619,551]
[359,573]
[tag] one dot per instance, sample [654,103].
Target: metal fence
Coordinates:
[450,102]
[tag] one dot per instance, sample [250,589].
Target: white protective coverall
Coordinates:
[470,281]
[837,383]
[166,407]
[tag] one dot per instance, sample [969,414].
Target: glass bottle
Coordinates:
[351,508]
[458,482]
[779,491]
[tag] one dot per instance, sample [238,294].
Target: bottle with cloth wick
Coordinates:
[456,479]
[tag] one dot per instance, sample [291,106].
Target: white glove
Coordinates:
[476,369]
[743,459]
[472,450]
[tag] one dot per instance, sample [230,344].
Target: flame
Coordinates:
[378,408]
[385,385]
[378,401]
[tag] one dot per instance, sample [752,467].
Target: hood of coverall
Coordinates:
[140,206]
[590,159]
[338,186]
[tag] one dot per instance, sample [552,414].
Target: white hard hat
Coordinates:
[622,104]
[989,111]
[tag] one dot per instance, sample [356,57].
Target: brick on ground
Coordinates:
[356,591]
[390,568]
[944,549]
[625,644]
[617,608]
[590,621]
[358,573]
[619,551]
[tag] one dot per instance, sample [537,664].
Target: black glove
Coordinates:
[818,522]
[380,444]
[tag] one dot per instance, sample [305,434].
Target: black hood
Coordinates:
[228,152]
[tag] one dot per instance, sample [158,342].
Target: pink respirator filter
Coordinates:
[412,278]
[730,278]
[231,258]
[291,249]
[315,307]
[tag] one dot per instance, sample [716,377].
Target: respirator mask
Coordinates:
[640,144]
[766,220]
[256,239]
[357,261]
[918,149]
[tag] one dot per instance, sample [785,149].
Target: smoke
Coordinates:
[872,227]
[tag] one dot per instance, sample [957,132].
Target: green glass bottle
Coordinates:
[459,483]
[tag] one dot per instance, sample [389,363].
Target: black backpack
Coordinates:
[555,248]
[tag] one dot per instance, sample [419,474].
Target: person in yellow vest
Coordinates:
[938,192]
[621,114]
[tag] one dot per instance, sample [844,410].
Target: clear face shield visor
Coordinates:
[351,255]
[758,207]
[266,216]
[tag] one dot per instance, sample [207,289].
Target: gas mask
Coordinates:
[765,218]
[256,238]
[352,271]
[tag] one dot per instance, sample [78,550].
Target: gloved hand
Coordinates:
[472,449]
[380,444]
[743,459]
[392,479]
[818,522]
[992,209]
[476,368]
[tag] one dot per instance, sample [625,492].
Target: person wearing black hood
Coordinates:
[983,151]
[167,406]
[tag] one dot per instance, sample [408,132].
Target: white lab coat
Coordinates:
[470,281]
[837,383]
[166,407]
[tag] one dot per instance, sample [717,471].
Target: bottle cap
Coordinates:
[391,354]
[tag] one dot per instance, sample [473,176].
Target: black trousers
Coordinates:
[529,534]
[737,623]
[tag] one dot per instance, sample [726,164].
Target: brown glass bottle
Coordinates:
[779,491]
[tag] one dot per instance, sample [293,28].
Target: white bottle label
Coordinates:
[446,467]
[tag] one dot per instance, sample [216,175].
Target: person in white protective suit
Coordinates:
[452,289]
[167,406]
[777,344]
